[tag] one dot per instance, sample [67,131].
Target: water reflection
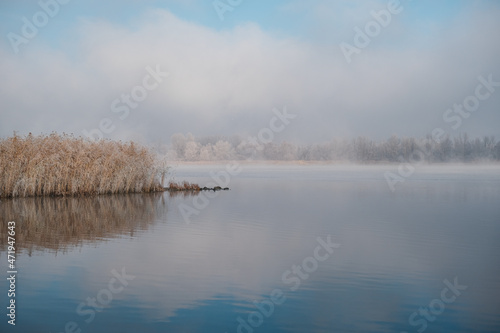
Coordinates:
[184,194]
[396,250]
[57,224]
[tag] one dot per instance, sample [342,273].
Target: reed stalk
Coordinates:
[63,165]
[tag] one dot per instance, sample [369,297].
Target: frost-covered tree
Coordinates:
[179,141]
[207,153]
[360,149]
[392,149]
[287,152]
[223,150]
[192,152]
[496,151]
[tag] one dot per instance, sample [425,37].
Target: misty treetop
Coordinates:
[360,149]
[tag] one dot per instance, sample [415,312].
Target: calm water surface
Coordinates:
[422,258]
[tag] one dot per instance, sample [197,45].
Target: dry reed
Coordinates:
[184,186]
[60,165]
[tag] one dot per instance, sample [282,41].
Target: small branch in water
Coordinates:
[186,186]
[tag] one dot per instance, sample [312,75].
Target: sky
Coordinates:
[145,70]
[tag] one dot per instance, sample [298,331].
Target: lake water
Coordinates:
[288,249]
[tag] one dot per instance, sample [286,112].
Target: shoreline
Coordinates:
[333,163]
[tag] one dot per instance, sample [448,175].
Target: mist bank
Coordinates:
[461,149]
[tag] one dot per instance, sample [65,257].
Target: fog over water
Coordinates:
[347,152]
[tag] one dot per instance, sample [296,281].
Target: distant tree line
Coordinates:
[360,149]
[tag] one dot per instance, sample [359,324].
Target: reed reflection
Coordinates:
[60,223]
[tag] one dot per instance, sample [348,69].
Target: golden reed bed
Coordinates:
[62,165]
